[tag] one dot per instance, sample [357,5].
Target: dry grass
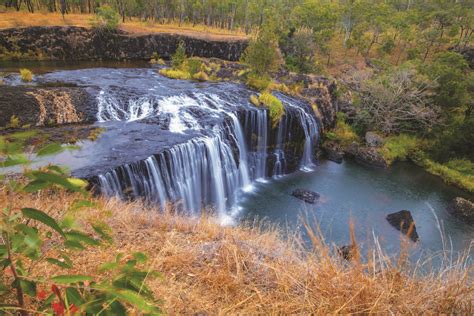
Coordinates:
[246,270]
[12,19]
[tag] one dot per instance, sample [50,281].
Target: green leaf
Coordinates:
[101,230]
[43,218]
[78,204]
[29,287]
[14,161]
[59,263]
[73,184]
[50,149]
[132,298]
[36,185]
[69,279]
[140,257]
[81,237]
[72,244]
[74,297]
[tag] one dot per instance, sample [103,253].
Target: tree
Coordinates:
[451,72]
[263,53]
[397,100]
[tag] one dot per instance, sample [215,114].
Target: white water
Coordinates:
[204,170]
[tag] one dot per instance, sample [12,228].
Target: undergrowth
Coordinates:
[342,133]
[457,172]
[276,110]
[207,268]
[399,147]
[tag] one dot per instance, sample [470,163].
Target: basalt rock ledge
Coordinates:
[79,43]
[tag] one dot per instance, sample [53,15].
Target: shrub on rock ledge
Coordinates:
[274,105]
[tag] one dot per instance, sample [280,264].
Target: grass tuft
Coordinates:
[399,147]
[342,133]
[275,106]
[26,75]
[175,74]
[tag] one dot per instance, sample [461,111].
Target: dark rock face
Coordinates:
[463,209]
[333,152]
[78,43]
[46,106]
[306,195]
[403,221]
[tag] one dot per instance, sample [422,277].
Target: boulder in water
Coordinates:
[306,195]
[403,221]
[463,209]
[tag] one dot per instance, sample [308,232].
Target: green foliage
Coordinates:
[399,147]
[31,237]
[342,133]
[263,54]
[258,82]
[275,107]
[451,72]
[106,18]
[454,141]
[179,56]
[26,75]
[457,172]
[254,100]
[175,74]
[156,59]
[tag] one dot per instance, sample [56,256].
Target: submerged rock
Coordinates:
[306,195]
[463,209]
[403,221]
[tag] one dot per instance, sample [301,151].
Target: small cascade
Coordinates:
[256,125]
[237,145]
[311,131]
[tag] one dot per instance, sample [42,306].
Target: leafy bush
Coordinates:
[275,106]
[106,18]
[258,82]
[26,75]
[31,237]
[192,65]
[399,147]
[179,56]
[343,132]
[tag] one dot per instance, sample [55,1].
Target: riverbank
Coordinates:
[210,269]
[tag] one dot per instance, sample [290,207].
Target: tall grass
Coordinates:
[251,269]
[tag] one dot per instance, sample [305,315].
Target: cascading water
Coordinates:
[236,146]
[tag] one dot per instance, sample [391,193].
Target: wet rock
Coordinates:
[306,195]
[463,209]
[403,221]
[333,152]
[366,155]
[43,106]
[372,139]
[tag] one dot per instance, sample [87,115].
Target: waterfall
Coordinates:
[237,148]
